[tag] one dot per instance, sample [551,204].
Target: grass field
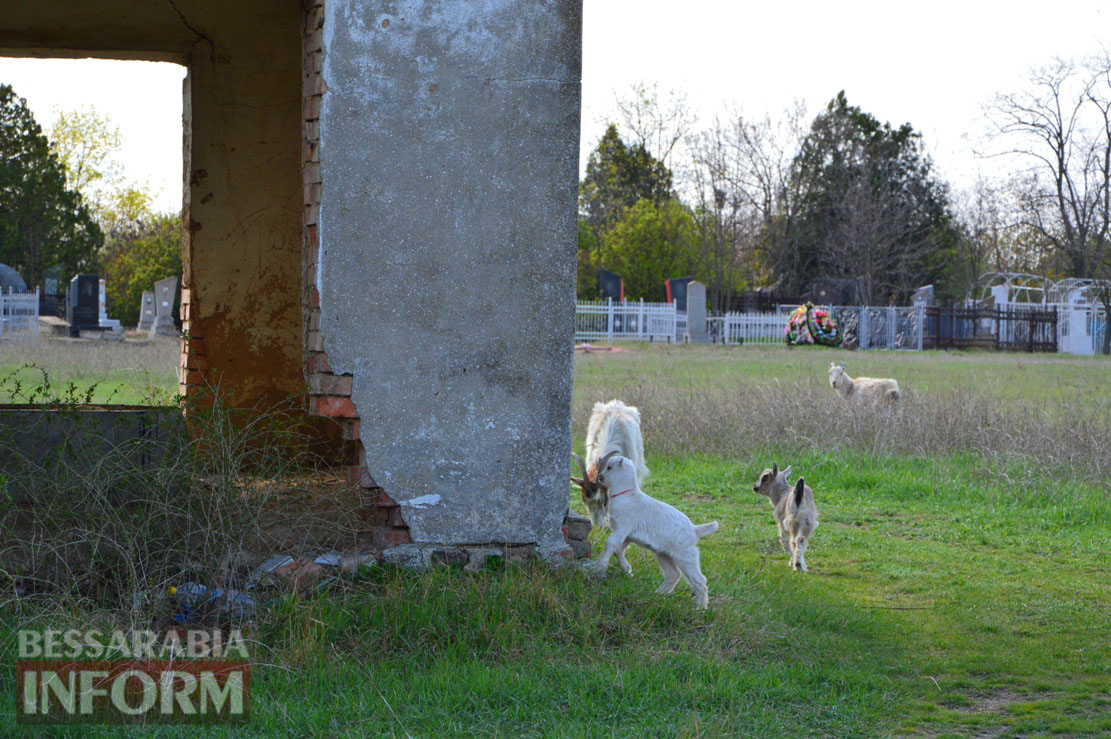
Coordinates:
[958,583]
[74,370]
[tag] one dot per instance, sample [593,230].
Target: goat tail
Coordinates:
[800,490]
[705,529]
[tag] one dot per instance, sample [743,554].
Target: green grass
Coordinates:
[89,371]
[950,594]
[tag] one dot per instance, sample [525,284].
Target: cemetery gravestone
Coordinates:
[164,293]
[677,292]
[146,311]
[82,304]
[696,312]
[102,316]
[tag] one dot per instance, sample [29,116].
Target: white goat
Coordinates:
[652,524]
[613,427]
[796,516]
[876,391]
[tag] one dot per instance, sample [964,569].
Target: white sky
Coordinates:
[933,65]
[142,98]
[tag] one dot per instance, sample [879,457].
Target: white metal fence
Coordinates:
[19,314]
[640,321]
[866,327]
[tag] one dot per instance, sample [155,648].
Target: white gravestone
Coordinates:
[696,313]
[146,311]
[164,293]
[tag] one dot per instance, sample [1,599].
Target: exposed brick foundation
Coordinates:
[330,393]
[194,355]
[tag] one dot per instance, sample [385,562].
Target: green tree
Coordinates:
[42,222]
[586,285]
[869,207]
[86,143]
[617,176]
[651,244]
[135,259]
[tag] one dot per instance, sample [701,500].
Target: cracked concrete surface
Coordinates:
[449,151]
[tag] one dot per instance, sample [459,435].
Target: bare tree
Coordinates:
[872,241]
[993,237]
[659,124]
[723,212]
[739,180]
[1061,127]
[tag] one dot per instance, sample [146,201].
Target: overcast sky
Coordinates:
[933,65]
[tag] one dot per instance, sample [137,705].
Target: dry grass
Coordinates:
[782,399]
[108,532]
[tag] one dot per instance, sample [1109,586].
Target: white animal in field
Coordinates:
[658,527]
[613,427]
[876,391]
[795,512]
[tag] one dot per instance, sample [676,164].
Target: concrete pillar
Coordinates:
[449,166]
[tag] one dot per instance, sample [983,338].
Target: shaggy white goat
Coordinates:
[795,512]
[877,391]
[613,427]
[658,527]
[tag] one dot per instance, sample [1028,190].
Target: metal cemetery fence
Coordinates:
[609,321]
[1021,329]
[19,314]
[863,327]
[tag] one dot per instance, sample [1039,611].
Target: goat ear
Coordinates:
[787,472]
[842,365]
[775,469]
[577,481]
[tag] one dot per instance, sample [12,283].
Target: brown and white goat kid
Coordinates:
[658,527]
[876,391]
[795,512]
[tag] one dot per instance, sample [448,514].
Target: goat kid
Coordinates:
[878,391]
[795,512]
[613,427]
[658,527]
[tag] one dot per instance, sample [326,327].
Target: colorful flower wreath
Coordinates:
[810,325]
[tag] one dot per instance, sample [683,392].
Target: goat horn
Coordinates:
[582,465]
[605,458]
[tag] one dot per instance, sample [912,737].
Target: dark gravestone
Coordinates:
[610,285]
[83,304]
[677,292]
[832,291]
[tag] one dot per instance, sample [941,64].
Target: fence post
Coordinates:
[920,311]
[862,328]
[640,322]
[609,319]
